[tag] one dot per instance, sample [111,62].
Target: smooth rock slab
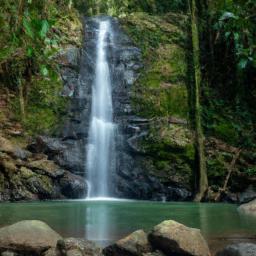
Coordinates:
[173,238]
[249,208]
[135,244]
[241,249]
[29,236]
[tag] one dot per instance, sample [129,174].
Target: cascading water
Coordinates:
[101,130]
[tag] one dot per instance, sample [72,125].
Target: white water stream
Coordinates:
[101,130]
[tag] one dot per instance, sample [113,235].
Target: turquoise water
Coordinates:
[105,221]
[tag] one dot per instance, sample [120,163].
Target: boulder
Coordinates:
[174,238]
[134,244]
[73,186]
[29,236]
[51,252]
[77,247]
[47,145]
[248,195]
[41,186]
[249,208]
[241,249]
[44,166]
[8,147]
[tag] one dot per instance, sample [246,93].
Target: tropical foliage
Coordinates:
[33,31]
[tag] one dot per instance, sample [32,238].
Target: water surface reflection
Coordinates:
[106,221]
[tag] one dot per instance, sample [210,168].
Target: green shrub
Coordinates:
[227,132]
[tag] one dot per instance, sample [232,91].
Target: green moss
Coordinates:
[46,108]
[160,165]
[26,173]
[171,151]
[161,89]
[227,132]
[190,152]
[47,183]
[151,80]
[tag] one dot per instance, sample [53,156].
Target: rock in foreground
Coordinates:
[241,249]
[134,244]
[77,247]
[173,238]
[169,238]
[28,237]
[249,208]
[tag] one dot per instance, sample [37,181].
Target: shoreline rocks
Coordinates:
[134,244]
[248,208]
[169,238]
[29,237]
[172,237]
[32,237]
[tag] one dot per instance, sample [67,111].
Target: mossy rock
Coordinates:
[171,153]
[26,173]
[160,90]
[176,136]
[40,185]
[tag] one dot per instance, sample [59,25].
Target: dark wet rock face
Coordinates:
[35,176]
[134,175]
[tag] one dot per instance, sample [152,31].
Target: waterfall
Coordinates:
[101,130]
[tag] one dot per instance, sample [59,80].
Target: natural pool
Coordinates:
[105,221]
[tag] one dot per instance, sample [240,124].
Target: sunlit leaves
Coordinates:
[30,51]
[243,63]
[237,25]
[228,15]
[28,27]
[44,28]
[43,70]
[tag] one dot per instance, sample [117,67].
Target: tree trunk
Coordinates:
[20,14]
[201,180]
[230,170]
[70,3]
[21,100]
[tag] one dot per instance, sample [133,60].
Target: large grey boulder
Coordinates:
[173,238]
[135,244]
[241,249]
[28,237]
[249,208]
[73,186]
